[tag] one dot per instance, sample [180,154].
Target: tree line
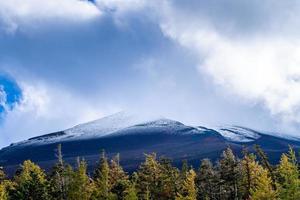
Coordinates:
[251,177]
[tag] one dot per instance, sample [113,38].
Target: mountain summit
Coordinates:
[132,136]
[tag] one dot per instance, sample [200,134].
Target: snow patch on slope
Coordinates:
[238,134]
[106,125]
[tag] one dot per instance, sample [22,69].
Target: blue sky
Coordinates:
[11,94]
[64,62]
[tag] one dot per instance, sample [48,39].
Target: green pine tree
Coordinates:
[30,184]
[206,181]
[188,191]
[266,164]
[230,175]
[130,192]
[79,187]
[3,192]
[101,180]
[263,189]
[58,180]
[5,186]
[149,176]
[168,179]
[118,179]
[289,188]
[251,176]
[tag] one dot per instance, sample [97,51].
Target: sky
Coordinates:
[232,62]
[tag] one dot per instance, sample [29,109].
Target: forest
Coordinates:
[250,177]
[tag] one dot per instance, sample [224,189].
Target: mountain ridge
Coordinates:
[133,137]
[112,124]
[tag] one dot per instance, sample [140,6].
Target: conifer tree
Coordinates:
[230,175]
[3,192]
[251,172]
[206,181]
[184,169]
[168,180]
[101,180]
[266,164]
[31,183]
[79,187]
[130,192]
[58,180]
[5,186]
[118,179]
[263,189]
[188,191]
[289,188]
[149,175]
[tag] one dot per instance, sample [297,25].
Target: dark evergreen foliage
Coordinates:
[231,178]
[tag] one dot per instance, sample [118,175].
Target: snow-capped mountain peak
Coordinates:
[124,123]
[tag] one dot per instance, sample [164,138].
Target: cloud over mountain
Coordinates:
[232,62]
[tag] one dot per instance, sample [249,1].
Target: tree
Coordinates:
[251,176]
[188,191]
[5,185]
[79,187]
[266,164]
[230,174]
[101,180]
[289,188]
[130,192]
[184,169]
[263,189]
[31,183]
[118,179]
[149,175]
[58,180]
[168,183]
[206,180]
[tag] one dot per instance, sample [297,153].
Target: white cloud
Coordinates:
[45,109]
[261,67]
[2,97]
[257,66]
[121,5]
[16,14]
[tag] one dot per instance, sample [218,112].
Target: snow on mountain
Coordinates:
[106,125]
[162,125]
[238,134]
[98,128]
[128,123]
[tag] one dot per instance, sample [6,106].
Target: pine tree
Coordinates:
[266,164]
[118,179]
[188,191]
[31,183]
[5,186]
[289,188]
[58,180]
[149,175]
[230,175]
[206,181]
[130,192]
[263,189]
[79,187]
[168,179]
[101,180]
[251,172]
[184,169]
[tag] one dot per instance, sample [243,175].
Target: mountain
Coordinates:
[133,136]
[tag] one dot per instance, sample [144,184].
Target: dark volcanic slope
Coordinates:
[165,137]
